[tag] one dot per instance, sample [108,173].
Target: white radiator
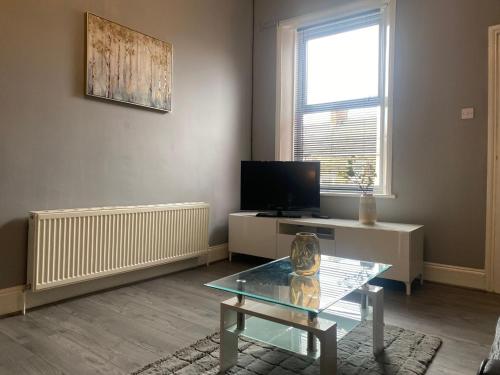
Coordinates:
[70,246]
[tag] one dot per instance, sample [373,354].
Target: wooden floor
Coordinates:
[118,331]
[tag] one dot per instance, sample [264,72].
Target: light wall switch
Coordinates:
[468,113]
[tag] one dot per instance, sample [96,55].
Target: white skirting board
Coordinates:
[454,275]
[11,299]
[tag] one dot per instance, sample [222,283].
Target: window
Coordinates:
[341,110]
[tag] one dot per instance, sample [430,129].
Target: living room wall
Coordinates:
[439,161]
[60,149]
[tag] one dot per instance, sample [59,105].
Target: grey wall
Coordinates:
[439,161]
[59,149]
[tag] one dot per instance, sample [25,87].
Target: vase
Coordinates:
[305,254]
[367,209]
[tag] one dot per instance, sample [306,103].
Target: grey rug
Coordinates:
[406,352]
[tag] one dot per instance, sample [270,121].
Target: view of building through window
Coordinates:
[334,137]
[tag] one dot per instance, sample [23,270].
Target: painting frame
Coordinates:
[156,94]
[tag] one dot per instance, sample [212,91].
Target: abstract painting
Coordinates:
[127,66]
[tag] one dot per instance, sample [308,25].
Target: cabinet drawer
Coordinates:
[369,245]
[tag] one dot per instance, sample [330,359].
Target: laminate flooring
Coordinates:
[120,330]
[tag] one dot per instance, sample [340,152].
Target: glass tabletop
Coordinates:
[276,282]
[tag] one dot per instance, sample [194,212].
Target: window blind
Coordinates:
[339,97]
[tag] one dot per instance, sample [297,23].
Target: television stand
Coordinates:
[278,214]
[401,245]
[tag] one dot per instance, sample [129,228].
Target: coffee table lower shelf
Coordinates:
[289,338]
[291,329]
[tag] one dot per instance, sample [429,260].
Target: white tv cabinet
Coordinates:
[398,244]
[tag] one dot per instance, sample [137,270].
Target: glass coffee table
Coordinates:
[302,314]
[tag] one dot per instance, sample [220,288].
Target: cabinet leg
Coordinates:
[230,256]
[408,288]
[421,279]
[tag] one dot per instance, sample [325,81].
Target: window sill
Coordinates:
[347,194]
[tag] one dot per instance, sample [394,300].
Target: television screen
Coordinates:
[280,186]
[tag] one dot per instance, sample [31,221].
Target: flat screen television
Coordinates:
[280,187]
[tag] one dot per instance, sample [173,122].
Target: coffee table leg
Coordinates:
[328,355]
[228,356]
[240,320]
[312,346]
[377,297]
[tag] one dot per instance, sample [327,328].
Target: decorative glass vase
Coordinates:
[305,254]
[367,209]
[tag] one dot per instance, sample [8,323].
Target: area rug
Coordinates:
[406,352]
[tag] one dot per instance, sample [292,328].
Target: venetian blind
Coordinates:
[339,97]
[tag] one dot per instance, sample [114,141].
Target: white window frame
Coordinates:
[286,72]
